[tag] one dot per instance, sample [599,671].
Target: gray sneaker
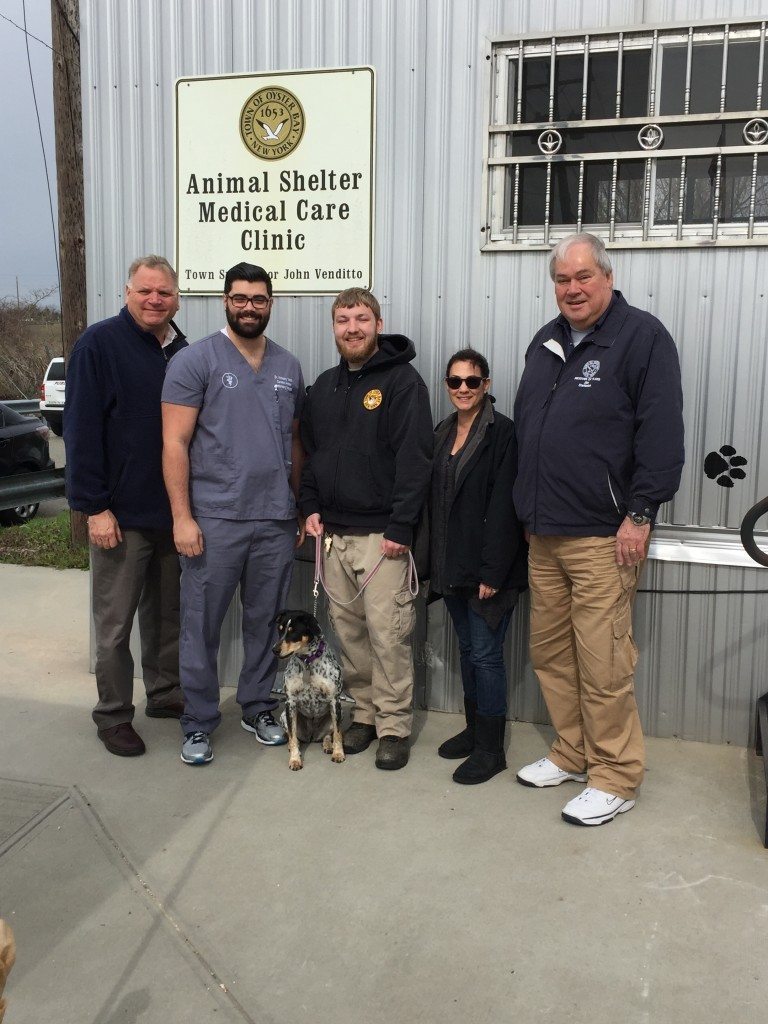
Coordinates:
[196,748]
[265,728]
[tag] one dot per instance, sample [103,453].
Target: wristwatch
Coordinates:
[638,518]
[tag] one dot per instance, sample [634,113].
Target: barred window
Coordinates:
[655,137]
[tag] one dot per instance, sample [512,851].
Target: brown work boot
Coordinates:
[358,737]
[122,740]
[393,752]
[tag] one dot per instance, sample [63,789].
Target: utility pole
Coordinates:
[68,118]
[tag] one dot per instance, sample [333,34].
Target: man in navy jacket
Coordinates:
[113,438]
[600,433]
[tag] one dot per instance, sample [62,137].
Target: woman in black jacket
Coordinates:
[478,556]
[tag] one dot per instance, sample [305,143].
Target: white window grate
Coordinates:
[654,137]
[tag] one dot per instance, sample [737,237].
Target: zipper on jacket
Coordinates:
[553,389]
[613,496]
[546,407]
[344,416]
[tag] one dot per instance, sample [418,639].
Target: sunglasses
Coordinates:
[473,382]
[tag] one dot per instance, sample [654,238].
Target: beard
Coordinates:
[252,327]
[358,354]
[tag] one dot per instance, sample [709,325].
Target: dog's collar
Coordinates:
[318,652]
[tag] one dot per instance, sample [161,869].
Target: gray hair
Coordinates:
[582,238]
[153,263]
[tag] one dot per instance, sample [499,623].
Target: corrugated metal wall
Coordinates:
[704,655]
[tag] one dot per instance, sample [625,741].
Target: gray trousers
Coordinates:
[140,573]
[258,556]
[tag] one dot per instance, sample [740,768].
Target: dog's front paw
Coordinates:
[295,764]
[338,756]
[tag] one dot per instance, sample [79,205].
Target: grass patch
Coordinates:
[42,542]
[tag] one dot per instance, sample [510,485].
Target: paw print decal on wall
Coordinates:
[724,466]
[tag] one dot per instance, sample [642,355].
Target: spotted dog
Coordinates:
[312,700]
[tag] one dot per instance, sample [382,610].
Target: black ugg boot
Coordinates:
[487,759]
[463,743]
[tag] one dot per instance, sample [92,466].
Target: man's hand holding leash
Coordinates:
[314,525]
[390,549]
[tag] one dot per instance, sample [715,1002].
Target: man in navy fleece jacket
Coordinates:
[600,437]
[113,437]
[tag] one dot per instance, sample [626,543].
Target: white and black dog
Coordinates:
[313,686]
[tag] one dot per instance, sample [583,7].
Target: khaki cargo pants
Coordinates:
[584,655]
[374,631]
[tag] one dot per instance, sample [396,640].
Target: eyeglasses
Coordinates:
[473,383]
[257,301]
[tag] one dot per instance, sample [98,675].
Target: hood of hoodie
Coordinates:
[393,350]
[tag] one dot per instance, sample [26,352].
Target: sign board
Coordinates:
[276,169]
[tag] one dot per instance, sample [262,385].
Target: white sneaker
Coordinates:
[546,773]
[594,807]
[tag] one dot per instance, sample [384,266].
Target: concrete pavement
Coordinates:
[142,890]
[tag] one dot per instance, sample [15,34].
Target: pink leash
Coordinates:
[413,579]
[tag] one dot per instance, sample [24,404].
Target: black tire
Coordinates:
[57,428]
[19,515]
[748,532]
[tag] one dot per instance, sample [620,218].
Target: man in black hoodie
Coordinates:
[367,431]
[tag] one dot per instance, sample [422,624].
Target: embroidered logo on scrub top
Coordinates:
[283,383]
[589,369]
[229,380]
[372,399]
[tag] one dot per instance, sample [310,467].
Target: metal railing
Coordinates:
[761,712]
[748,532]
[29,488]
[22,404]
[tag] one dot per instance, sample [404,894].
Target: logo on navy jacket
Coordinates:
[589,371]
[229,380]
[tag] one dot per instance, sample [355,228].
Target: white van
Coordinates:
[52,395]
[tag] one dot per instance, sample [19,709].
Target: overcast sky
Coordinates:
[27,248]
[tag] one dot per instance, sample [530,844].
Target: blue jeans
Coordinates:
[481,651]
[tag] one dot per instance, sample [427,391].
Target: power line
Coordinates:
[42,147]
[31,35]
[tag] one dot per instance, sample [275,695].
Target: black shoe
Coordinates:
[358,737]
[463,743]
[487,759]
[122,740]
[173,710]
[393,752]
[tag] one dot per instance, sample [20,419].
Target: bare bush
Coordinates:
[30,336]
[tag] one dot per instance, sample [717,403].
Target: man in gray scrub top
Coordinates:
[232,462]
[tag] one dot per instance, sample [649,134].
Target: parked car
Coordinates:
[52,395]
[23,449]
